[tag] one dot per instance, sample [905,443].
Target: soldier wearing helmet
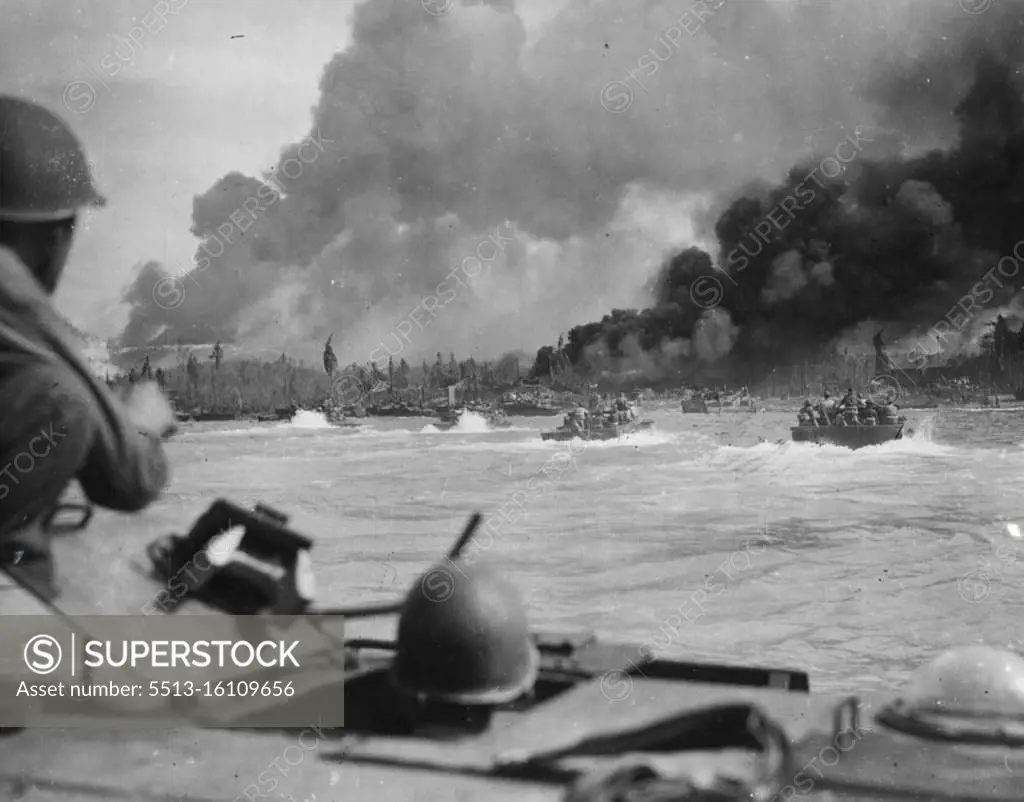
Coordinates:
[54,410]
[622,408]
[967,693]
[463,641]
[805,416]
[818,411]
[848,412]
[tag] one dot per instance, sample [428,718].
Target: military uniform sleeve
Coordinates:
[49,400]
[43,443]
[56,429]
[126,469]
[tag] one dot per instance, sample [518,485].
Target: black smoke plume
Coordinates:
[931,247]
[435,135]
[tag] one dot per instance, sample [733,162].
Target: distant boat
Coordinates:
[213,416]
[399,411]
[337,418]
[285,413]
[848,436]
[449,414]
[530,409]
[608,432]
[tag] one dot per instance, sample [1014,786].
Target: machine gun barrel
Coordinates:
[395,607]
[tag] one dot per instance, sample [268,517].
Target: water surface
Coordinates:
[695,539]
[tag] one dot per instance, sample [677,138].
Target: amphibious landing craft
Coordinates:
[469,702]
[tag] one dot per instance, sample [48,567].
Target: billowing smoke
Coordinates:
[467,187]
[930,246]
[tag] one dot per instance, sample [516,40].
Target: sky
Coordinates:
[164,116]
[175,95]
[182,105]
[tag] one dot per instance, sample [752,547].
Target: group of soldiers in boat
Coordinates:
[852,410]
[600,415]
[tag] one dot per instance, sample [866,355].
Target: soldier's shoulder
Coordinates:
[16,280]
[10,261]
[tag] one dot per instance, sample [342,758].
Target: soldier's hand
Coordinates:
[150,411]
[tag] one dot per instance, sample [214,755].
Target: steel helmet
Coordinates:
[463,639]
[44,174]
[971,678]
[968,693]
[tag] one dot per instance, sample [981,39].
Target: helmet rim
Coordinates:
[90,198]
[94,200]
[487,696]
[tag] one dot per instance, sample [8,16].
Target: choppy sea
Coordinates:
[710,536]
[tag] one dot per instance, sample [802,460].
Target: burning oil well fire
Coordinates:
[929,246]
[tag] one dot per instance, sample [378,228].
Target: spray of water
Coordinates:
[308,419]
[469,423]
